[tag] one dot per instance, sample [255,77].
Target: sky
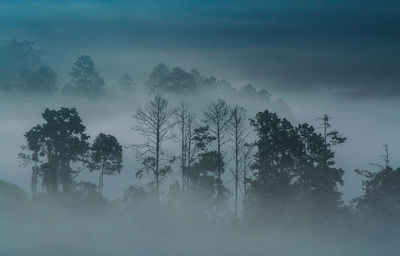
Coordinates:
[336,57]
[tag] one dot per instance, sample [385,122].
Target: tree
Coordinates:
[60,141]
[126,83]
[381,198]
[177,80]
[41,81]
[217,116]
[17,56]
[278,147]
[155,124]
[317,178]
[85,78]
[181,120]
[204,184]
[105,156]
[11,197]
[246,175]
[238,129]
[294,168]
[331,138]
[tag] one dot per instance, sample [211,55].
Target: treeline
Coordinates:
[23,73]
[273,170]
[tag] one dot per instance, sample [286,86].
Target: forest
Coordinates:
[209,157]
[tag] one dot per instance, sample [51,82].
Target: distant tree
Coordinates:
[126,83]
[155,123]
[11,194]
[138,199]
[158,77]
[85,78]
[88,197]
[105,156]
[17,56]
[177,80]
[42,81]
[238,130]
[217,116]
[60,141]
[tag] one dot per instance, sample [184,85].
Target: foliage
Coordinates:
[105,156]
[293,164]
[58,142]
[85,78]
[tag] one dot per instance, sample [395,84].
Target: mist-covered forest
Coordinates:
[209,128]
[207,169]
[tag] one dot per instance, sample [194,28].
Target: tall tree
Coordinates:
[239,132]
[60,141]
[217,116]
[331,138]
[154,121]
[381,198]
[316,176]
[294,167]
[182,122]
[278,148]
[246,177]
[105,156]
[85,78]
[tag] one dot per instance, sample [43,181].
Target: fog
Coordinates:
[299,60]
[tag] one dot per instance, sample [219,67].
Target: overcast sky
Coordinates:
[338,57]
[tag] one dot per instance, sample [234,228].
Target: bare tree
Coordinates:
[182,116]
[239,132]
[154,122]
[191,148]
[217,117]
[246,171]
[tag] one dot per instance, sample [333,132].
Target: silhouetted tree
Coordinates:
[182,122]
[217,116]
[105,156]
[238,129]
[60,141]
[331,138]
[177,80]
[85,78]
[317,178]
[278,147]
[381,198]
[294,167]
[247,163]
[154,122]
